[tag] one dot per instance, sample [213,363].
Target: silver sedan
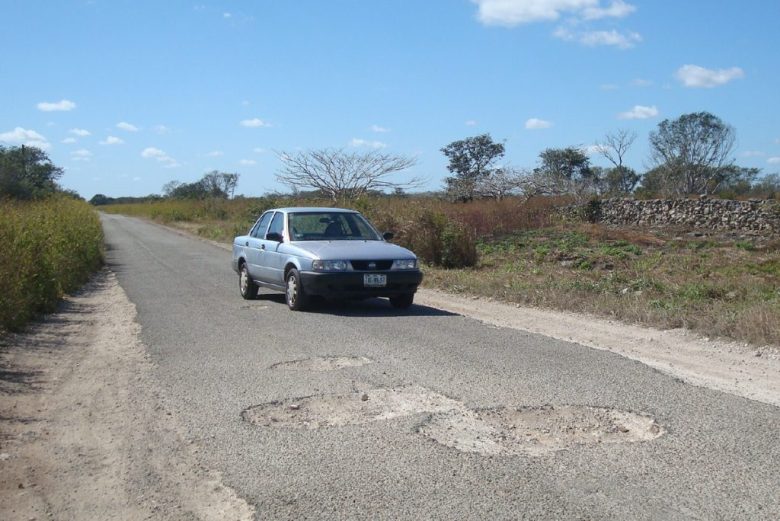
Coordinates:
[328,252]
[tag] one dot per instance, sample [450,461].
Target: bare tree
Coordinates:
[341,175]
[500,183]
[613,146]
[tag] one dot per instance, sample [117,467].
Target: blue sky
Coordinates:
[128,95]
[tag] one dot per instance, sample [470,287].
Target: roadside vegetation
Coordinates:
[51,240]
[495,230]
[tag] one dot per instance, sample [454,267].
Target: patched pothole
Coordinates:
[324,363]
[538,430]
[357,408]
[501,431]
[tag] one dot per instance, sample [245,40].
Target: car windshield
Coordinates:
[329,226]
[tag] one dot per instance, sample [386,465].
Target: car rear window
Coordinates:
[329,226]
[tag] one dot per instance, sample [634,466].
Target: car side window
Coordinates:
[259,230]
[277,225]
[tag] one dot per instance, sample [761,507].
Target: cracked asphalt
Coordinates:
[216,355]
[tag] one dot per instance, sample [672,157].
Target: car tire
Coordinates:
[246,285]
[294,295]
[402,301]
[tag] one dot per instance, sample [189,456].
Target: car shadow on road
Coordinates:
[372,307]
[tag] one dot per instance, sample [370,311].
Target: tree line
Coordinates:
[690,155]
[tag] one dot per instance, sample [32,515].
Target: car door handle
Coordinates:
[246,243]
[262,246]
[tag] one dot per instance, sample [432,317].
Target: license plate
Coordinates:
[374,280]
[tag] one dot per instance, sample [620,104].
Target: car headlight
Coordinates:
[329,265]
[404,264]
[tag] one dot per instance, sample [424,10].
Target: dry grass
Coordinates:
[717,286]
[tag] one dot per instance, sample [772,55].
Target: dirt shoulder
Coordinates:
[734,368]
[83,434]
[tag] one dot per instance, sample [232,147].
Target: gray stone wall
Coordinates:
[703,213]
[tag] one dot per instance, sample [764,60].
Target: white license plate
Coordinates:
[374,280]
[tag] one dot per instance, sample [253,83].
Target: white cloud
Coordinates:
[259,150]
[640,82]
[136,179]
[510,13]
[599,38]
[248,162]
[753,153]
[254,123]
[80,132]
[617,9]
[111,140]
[700,77]
[215,153]
[471,123]
[639,112]
[57,106]
[536,124]
[773,160]
[124,125]
[81,154]
[377,128]
[159,155]
[161,129]
[609,86]
[356,142]
[152,152]
[29,138]
[227,15]
[592,150]
[69,140]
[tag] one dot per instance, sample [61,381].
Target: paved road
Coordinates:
[215,356]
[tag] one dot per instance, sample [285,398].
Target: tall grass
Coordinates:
[49,248]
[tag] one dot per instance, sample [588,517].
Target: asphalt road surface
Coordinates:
[362,411]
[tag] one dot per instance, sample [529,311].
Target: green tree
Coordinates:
[693,154]
[27,173]
[472,160]
[563,171]
[619,179]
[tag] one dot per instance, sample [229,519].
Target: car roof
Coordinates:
[303,209]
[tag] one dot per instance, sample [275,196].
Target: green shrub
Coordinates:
[50,248]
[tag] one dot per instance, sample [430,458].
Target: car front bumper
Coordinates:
[350,285]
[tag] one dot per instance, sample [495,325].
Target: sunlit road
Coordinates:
[710,455]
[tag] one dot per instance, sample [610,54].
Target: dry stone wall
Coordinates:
[706,214]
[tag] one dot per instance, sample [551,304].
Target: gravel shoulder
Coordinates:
[83,433]
[734,368]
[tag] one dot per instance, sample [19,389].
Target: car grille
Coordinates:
[370,265]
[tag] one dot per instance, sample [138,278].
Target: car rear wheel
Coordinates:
[294,294]
[402,301]
[246,285]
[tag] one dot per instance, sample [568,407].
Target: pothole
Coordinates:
[357,408]
[538,430]
[325,363]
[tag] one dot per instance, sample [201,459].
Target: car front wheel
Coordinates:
[402,301]
[246,285]
[294,295]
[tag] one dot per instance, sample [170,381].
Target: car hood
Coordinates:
[354,250]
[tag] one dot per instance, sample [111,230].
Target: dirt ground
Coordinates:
[82,431]
[84,434]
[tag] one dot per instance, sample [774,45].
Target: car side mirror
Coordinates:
[388,236]
[273,236]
